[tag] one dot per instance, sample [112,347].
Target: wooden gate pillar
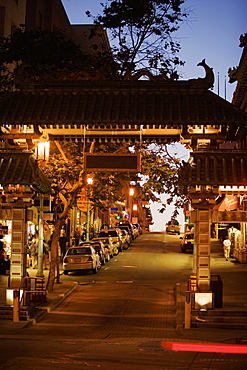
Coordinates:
[202,242]
[18,247]
[202,202]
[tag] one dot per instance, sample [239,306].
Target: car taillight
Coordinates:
[65,260]
[90,258]
[185,242]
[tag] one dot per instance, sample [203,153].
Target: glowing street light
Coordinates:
[131,192]
[90,180]
[89,183]
[134,207]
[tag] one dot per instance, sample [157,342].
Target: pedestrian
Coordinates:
[63,241]
[227,248]
[2,251]
[34,252]
[77,236]
[45,254]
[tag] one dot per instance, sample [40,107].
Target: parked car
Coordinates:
[138,227]
[115,234]
[187,242]
[81,258]
[173,227]
[126,239]
[135,231]
[128,227]
[108,243]
[100,249]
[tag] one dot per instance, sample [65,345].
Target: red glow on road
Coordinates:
[198,347]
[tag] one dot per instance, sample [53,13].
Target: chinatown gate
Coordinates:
[131,110]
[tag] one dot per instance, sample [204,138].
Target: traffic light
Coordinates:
[118,217]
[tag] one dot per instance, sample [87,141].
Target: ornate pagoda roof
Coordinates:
[118,102]
[21,168]
[239,74]
[215,168]
[162,108]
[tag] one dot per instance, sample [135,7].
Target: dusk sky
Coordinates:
[212,32]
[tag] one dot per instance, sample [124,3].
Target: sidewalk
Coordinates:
[54,298]
[233,274]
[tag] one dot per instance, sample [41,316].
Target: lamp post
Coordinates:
[40,272]
[42,155]
[89,182]
[131,193]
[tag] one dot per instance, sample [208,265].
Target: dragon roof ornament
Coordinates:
[206,82]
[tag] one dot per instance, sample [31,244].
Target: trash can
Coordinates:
[216,286]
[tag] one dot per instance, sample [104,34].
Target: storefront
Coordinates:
[21,180]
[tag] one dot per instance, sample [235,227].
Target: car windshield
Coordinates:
[173,223]
[108,232]
[126,228]
[105,241]
[189,236]
[96,246]
[113,233]
[76,251]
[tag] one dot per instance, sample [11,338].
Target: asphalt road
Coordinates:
[117,319]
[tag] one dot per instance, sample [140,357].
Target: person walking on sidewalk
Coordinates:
[77,237]
[34,252]
[63,243]
[227,248]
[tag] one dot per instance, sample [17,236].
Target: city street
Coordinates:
[117,319]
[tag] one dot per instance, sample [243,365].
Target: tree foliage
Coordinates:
[159,175]
[142,33]
[64,170]
[44,55]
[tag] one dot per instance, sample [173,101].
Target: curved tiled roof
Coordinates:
[21,168]
[216,168]
[128,102]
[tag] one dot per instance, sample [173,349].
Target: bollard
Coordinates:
[187,313]
[16,295]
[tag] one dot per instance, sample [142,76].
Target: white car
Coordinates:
[81,258]
[126,239]
[173,227]
[108,243]
[116,236]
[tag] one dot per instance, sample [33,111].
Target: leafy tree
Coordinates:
[142,33]
[65,174]
[159,175]
[44,55]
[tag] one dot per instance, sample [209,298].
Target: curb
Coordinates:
[43,310]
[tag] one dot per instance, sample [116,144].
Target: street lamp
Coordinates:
[42,152]
[89,183]
[131,194]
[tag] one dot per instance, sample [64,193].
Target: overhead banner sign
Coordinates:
[82,201]
[230,216]
[98,162]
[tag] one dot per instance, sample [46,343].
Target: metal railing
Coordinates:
[30,291]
